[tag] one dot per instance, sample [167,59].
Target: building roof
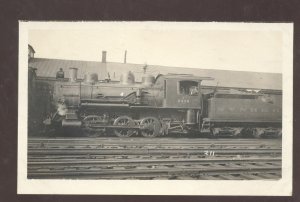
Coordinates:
[31,48]
[185,76]
[229,78]
[225,78]
[49,67]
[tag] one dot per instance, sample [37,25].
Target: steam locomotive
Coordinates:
[158,106]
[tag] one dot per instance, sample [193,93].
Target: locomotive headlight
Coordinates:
[61,109]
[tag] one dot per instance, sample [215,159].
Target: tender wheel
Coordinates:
[124,121]
[151,127]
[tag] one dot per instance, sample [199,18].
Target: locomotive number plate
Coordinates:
[183,101]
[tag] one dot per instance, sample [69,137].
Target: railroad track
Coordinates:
[113,158]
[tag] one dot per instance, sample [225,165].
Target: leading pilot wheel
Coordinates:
[127,122]
[150,127]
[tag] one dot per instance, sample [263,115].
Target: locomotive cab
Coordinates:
[182,91]
[182,95]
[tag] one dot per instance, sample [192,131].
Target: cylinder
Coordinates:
[71,123]
[191,116]
[73,74]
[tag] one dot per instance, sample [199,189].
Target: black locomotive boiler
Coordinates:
[173,103]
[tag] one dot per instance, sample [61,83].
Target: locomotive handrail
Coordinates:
[106,100]
[84,104]
[186,76]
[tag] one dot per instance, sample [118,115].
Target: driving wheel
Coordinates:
[150,127]
[127,131]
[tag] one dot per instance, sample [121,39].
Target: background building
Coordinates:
[31,52]
[46,69]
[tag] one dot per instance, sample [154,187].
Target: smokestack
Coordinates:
[125,56]
[73,74]
[104,56]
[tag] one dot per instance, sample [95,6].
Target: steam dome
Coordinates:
[127,78]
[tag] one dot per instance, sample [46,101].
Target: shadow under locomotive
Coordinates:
[165,105]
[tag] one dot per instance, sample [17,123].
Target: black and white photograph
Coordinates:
[164,108]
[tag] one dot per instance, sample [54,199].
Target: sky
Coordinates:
[178,46]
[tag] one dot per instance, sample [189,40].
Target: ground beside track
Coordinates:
[154,158]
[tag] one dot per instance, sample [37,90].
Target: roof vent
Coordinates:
[73,74]
[103,56]
[127,78]
[91,78]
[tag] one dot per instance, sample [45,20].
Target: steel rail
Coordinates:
[155,161]
[153,144]
[154,140]
[150,151]
[147,172]
[45,158]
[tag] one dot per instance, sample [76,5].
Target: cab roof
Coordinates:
[184,76]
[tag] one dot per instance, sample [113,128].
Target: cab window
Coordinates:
[188,88]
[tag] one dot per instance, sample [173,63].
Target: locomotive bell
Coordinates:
[127,78]
[91,78]
[148,80]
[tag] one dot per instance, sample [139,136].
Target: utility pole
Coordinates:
[145,68]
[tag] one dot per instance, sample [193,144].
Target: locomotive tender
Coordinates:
[172,103]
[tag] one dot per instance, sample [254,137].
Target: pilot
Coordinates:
[60,74]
